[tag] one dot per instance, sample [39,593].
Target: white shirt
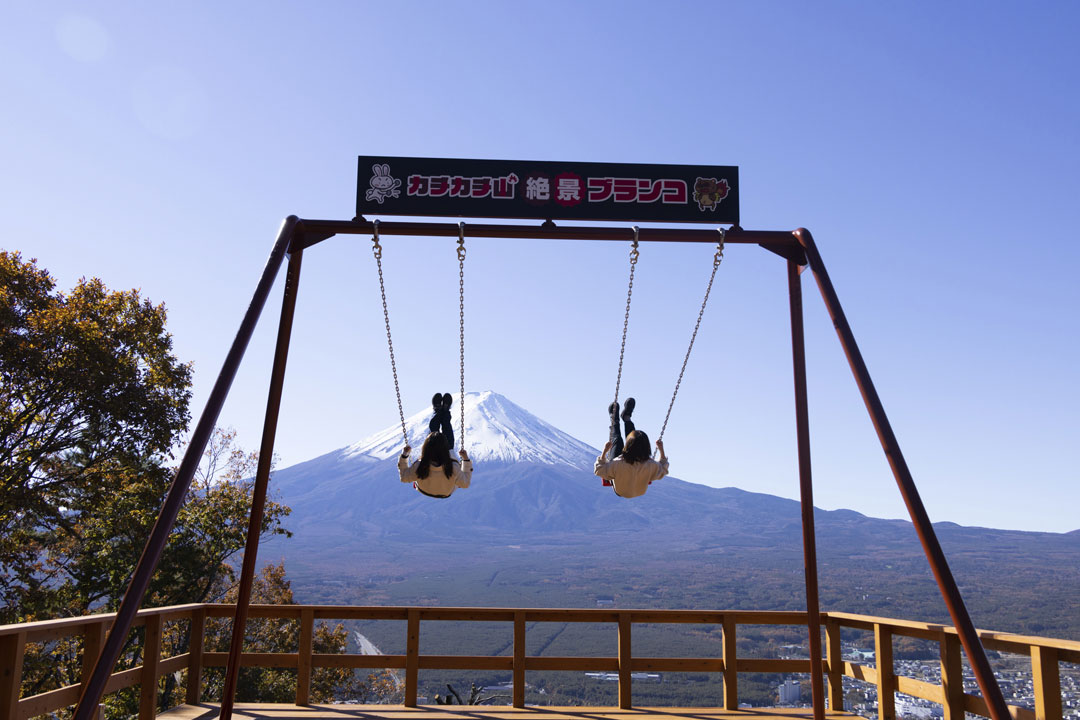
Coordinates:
[630,480]
[436,483]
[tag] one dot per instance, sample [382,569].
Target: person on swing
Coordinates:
[436,474]
[631,468]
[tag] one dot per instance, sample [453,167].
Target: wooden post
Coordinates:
[1046,678]
[835,656]
[625,655]
[519,659]
[952,677]
[412,657]
[149,676]
[731,675]
[93,640]
[886,678]
[303,672]
[12,648]
[195,656]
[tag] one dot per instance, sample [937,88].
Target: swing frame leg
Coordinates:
[969,636]
[262,480]
[806,488]
[155,545]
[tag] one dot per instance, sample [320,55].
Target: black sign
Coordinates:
[437,187]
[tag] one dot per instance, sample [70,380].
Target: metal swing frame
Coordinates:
[296,235]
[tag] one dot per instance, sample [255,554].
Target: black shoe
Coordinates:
[436,402]
[447,401]
[613,410]
[628,409]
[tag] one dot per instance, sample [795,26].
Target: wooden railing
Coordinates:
[92,629]
[1045,653]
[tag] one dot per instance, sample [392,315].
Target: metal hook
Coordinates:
[461,240]
[719,256]
[634,247]
[375,246]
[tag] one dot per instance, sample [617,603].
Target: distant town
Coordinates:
[1013,674]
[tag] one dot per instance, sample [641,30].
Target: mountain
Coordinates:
[530,479]
[535,512]
[495,430]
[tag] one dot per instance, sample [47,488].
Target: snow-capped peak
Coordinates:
[495,430]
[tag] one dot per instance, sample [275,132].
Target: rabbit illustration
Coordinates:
[382,185]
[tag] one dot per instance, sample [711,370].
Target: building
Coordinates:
[790,692]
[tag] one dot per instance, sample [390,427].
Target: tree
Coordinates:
[90,394]
[92,404]
[100,554]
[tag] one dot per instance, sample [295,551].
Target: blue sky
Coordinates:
[931,148]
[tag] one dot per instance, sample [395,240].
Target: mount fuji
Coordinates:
[496,430]
[529,477]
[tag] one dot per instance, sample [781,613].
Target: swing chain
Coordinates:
[376,250]
[626,317]
[461,323]
[718,257]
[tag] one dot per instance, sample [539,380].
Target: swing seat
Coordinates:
[440,497]
[605,481]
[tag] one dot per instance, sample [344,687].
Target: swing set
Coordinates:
[546,191]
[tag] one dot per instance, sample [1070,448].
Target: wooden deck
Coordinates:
[253,711]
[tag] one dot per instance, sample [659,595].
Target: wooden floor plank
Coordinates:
[267,711]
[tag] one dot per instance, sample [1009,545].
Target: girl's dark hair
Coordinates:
[436,451]
[637,447]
